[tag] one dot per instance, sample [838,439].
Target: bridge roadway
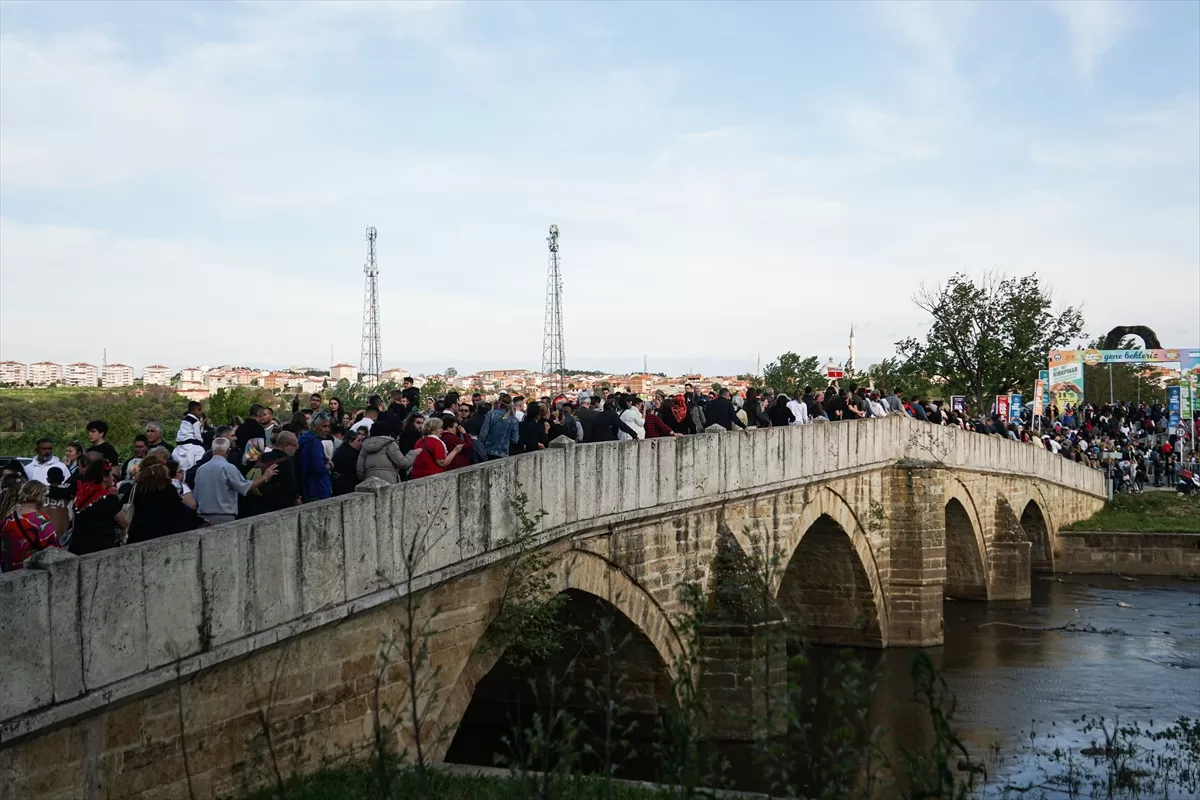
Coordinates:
[873,522]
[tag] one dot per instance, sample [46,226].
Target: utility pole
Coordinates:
[553,351]
[371,361]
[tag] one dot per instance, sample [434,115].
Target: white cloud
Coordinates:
[748,236]
[1093,26]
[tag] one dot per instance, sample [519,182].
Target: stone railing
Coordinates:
[80,633]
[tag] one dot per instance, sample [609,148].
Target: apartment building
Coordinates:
[343,371]
[44,373]
[114,375]
[393,375]
[13,373]
[81,374]
[156,375]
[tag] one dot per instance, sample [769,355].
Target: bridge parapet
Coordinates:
[117,624]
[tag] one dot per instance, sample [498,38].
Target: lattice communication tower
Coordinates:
[372,356]
[553,354]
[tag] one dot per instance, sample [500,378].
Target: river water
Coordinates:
[1135,656]
[1141,664]
[1009,681]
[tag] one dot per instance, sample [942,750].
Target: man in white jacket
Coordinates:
[189,441]
[36,470]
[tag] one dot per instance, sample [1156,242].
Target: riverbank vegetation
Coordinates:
[1145,512]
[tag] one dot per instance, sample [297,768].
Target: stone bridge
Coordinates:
[112,663]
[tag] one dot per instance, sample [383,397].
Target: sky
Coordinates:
[190,183]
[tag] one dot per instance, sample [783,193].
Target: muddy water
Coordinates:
[1143,667]
[1008,679]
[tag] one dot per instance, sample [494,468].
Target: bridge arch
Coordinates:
[1037,525]
[830,574]
[967,561]
[581,574]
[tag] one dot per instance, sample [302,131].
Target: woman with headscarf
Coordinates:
[674,412]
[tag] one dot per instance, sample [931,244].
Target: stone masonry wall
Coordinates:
[1174,554]
[105,637]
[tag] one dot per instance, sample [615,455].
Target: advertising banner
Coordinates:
[1039,395]
[1185,401]
[1066,383]
[958,402]
[1174,401]
[1002,406]
[1044,376]
[1014,407]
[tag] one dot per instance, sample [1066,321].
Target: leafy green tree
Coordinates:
[790,373]
[63,414]
[434,388]
[450,372]
[235,401]
[894,372]
[991,336]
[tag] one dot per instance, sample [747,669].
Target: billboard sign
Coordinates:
[1002,406]
[1014,407]
[1174,403]
[1039,395]
[1066,383]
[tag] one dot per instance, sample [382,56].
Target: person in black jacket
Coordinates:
[345,462]
[412,393]
[474,423]
[781,416]
[720,411]
[282,491]
[607,423]
[252,429]
[535,429]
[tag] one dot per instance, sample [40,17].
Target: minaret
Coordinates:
[850,363]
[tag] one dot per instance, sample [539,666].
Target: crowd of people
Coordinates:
[91,500]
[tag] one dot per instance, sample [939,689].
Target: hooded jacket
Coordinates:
[380,457]
[315,483]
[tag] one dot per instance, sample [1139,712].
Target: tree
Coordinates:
[434,387]
[789,374]
[450,372]
[235,401]
[893,372]
[990,337]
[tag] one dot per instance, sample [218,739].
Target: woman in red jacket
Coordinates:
[434,457]
[455,436]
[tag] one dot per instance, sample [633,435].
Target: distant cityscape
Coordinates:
[197,383]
